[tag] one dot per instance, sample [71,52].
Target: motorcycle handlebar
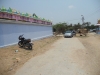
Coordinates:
[21,36]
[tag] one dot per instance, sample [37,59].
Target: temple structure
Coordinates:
[11,14]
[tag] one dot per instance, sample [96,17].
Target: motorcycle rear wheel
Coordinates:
[30,47]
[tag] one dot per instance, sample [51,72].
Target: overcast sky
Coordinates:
[69,11]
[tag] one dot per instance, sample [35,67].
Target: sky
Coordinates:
[68,11]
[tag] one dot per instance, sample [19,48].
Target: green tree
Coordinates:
[92,26]
[77,26]
[59,28]
[88,23]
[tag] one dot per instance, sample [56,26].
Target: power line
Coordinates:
[93,13]
[73,19]
[97,10]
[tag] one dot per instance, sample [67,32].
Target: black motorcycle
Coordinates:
[25,43]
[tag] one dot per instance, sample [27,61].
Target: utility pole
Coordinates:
[82,21]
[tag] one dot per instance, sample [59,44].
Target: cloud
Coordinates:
[71,6]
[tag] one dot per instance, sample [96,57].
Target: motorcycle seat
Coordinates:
[27,39]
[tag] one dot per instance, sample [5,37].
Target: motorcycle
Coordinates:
[25,43]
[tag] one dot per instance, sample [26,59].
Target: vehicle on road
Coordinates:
[25,43]
[74,33]
[68,34]
[83,31]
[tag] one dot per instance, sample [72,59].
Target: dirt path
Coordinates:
[90,58]
[64,58]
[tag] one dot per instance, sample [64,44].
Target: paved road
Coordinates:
[59,60]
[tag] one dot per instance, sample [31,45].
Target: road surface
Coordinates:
[61,59]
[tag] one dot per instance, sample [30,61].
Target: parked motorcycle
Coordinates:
[25,43]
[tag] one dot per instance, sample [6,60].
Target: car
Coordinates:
[74,33]
[68,34]
[91,30]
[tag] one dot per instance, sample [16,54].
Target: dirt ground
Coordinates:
[10,60]
[90,57]
[79,55]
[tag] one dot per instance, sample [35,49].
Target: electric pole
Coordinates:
[82,21]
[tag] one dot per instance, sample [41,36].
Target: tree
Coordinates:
[59,28]
[87,23]
[92,26]
[77,26]
[88,27]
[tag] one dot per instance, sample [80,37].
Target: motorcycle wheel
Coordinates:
[19,43]
[30,47]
